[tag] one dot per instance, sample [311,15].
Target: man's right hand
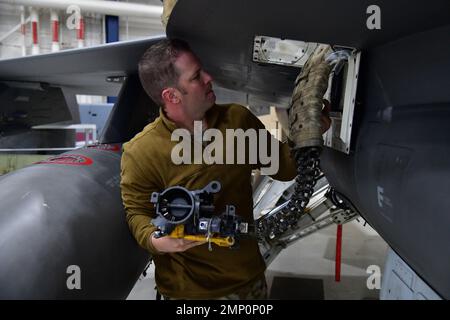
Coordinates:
[167,244]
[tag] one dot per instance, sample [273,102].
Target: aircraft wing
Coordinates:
[42,89]
[84,71]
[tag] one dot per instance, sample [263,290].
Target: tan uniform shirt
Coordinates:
[147,167]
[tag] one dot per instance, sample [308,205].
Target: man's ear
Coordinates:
[170,95]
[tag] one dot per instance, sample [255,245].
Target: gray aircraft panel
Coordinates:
[222,34]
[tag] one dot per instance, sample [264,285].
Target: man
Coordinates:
[173,77]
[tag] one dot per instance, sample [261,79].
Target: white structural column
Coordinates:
[54,22]
[80,32]
[35,31]
[23,30]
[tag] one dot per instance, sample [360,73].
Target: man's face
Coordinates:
[195,86]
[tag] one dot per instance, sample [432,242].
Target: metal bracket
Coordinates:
[295,53]
[282,51]
[308,224]
[339,135]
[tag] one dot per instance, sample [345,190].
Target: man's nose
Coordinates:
[207,77]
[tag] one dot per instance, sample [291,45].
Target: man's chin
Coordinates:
[211,99]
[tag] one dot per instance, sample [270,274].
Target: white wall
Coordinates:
[130,28]
[9,18]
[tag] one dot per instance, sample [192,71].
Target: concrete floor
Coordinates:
[305,270]
[313,258]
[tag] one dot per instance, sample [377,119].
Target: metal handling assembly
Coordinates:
[190,215]
[306,141]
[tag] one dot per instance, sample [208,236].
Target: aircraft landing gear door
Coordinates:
[342,94]
[342,83]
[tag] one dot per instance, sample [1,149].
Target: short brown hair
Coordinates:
[156,67]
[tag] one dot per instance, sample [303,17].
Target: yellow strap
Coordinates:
[178,233]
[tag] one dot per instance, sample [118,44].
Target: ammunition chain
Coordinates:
[308,172]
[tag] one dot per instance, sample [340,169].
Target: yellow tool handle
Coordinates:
[178,233]
[222,242]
